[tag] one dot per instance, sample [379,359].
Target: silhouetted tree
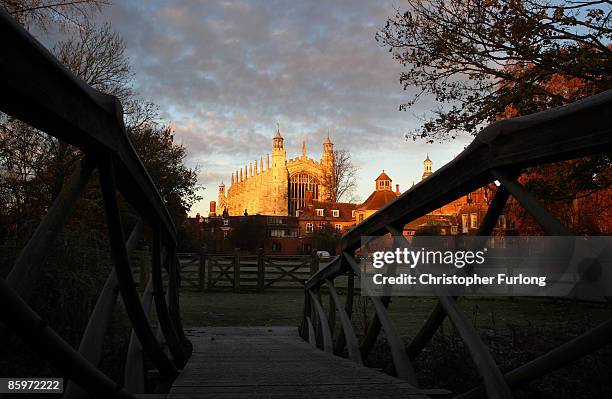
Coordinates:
[248,234]
[325,240]
[342,181]
[164,159]
[44,13]
[475,58]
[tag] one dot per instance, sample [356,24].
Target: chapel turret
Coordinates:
[278,139]
[327,158]
[427,166]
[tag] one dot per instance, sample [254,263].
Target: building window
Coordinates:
[319,212]
[225,234]
[473,221]
[464,223]
[353,214]
[276,220]
[309,228]
[298,213]
[360,217]
[276,247]
[336,213]
[225,222]
[306,248]
[299,184]
[321,226]
[276,233]
[338,228]
[454,230]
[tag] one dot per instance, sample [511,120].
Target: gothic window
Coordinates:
[299,184]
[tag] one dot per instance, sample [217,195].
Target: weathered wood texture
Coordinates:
[273,362]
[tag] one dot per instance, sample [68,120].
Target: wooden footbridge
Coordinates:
[274,362]
[323,357]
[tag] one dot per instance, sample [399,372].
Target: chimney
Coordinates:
[309,199]
[213,209]
[397,188]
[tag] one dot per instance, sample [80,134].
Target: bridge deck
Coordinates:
[274,362]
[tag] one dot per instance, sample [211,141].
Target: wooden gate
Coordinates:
[259,272]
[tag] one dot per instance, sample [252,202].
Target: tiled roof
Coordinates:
[346,209]
[378,199]
[383,176]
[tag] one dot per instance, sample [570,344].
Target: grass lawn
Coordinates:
[272,308]
[284,307]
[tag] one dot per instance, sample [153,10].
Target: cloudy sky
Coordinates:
[225,72]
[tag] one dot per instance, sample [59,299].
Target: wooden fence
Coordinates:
[235,272]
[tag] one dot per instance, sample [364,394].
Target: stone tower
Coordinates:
[280,177]
[327,166]
[427,164]
[221,198]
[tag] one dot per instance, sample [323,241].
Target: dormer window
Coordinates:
[335,213]
[319,212]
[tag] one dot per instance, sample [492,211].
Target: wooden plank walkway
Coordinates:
[274,362]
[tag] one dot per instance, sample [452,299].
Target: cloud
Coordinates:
[224,73]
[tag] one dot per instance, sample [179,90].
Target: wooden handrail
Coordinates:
[499,153]
[40,91]
[567,132]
